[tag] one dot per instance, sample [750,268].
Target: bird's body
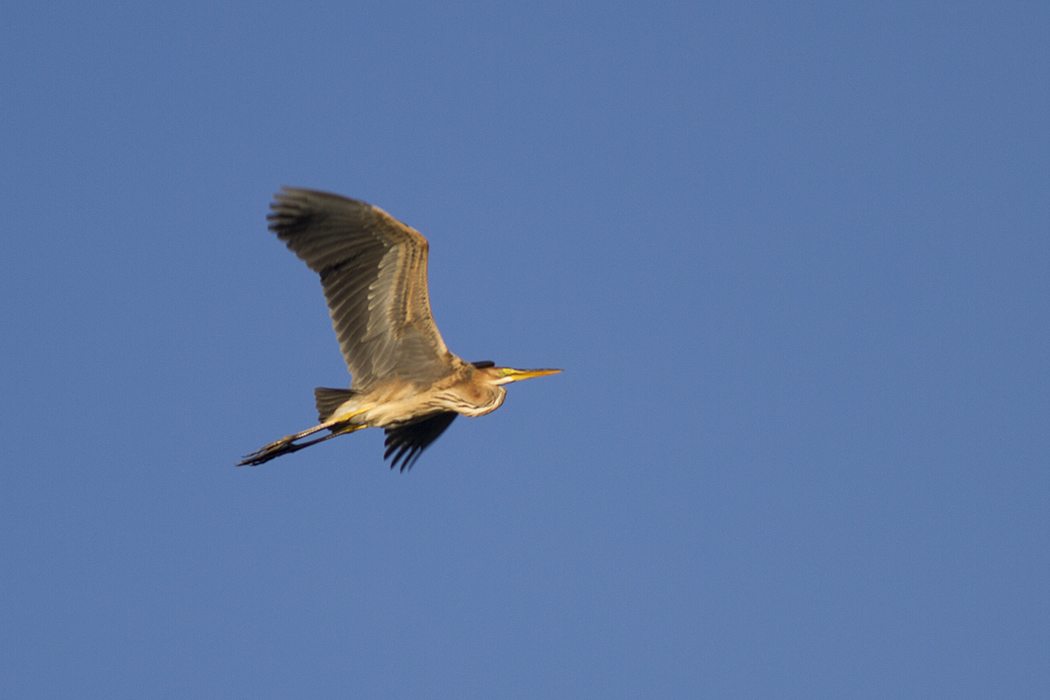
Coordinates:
[373,270]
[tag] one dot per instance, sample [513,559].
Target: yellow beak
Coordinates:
[508,374]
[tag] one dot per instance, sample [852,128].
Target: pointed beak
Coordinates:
[508,375]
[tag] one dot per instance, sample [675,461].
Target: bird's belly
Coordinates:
[378,411]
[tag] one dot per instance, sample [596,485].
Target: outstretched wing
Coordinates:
[373,270]
[408,440]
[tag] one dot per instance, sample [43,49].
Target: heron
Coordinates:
[373,271]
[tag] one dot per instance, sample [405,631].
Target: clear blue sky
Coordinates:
[795,262]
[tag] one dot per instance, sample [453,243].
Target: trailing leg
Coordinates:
[288,444]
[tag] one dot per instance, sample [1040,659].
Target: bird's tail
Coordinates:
[329,400]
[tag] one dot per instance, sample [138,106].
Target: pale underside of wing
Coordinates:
[373,271]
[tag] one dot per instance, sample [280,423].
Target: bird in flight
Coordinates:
[373,271]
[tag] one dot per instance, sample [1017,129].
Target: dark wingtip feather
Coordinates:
[291,212]
[407,441]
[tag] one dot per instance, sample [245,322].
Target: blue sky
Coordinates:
[793,259]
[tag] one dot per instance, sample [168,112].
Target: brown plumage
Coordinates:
[373,270]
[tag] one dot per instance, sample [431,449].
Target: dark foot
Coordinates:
[283,446]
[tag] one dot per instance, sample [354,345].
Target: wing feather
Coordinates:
[373,271]
[407,441]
